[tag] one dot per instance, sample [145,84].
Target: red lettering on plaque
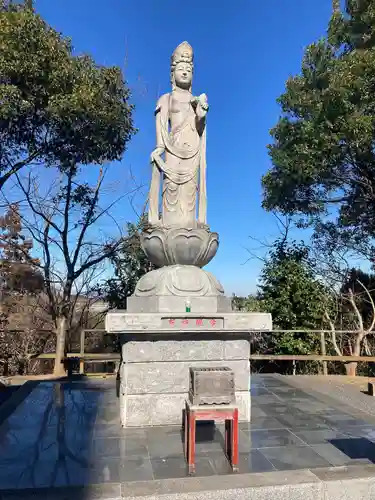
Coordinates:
[199,322]
[212,322]
[172,322]
[185,321]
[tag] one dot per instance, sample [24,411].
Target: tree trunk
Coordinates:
[21,367]
[6,368]
[59,368]
[351,369]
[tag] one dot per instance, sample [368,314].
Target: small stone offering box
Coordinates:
[213,385]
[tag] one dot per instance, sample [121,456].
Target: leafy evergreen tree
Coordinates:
[294,297]
[323,150]
[57,109]
[62,111]
[251,303]
[130,264]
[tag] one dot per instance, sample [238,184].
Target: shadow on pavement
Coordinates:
[356,448]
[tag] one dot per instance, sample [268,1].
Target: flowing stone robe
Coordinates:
[182,134]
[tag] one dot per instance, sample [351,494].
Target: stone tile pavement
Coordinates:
[68,434]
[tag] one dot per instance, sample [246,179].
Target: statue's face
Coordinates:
[183,75]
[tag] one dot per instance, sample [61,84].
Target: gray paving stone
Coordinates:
[254,461]
[120,448]
[299,422]
[366,431]
[274,409]
[318,436]
[256,412]
[294,457]
[337,393]
[164,448]
[267,399]
[115,430]
[105,453]
[259,423]
[175,467]
[271,438]
[260,391]
[344,421]
[336,457]
[360,471]
[136,469]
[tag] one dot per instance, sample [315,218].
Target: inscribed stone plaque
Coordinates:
[193,323]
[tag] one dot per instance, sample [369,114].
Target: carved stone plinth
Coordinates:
[154,374]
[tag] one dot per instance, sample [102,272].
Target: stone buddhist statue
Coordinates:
[181,138]
[178,316]
[179,243]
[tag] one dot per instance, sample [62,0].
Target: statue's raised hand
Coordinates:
[203,101]
[202,106]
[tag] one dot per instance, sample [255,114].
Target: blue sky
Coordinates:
[244,52]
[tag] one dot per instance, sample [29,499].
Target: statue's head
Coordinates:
[182,66]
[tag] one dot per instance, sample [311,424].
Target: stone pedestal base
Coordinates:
[180,281]
[158,348]
[155,374]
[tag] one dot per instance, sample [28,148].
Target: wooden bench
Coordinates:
[227,413]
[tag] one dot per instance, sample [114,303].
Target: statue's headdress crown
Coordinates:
[182,53]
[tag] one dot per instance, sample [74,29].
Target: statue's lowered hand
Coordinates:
[157,151]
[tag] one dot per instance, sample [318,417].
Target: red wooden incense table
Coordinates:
[226,413]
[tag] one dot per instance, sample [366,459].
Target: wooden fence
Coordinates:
[86,357]
[323,358]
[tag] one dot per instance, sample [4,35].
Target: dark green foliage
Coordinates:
[251,303]
[56,108]
[130,264]
[356,28]
[323,151]
[294,297]
[61,111]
